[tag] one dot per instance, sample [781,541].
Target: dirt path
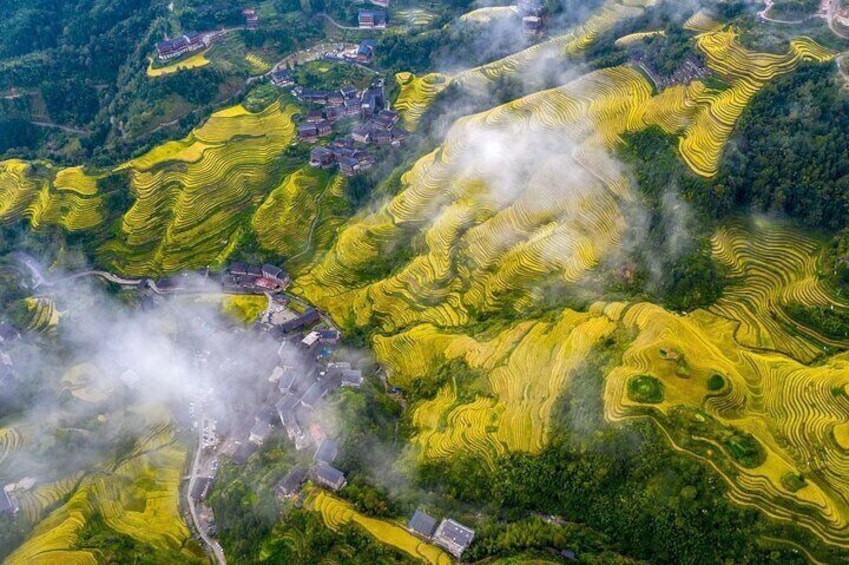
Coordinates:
[66,129]
[334,23]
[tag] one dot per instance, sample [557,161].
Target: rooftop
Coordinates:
[422,524]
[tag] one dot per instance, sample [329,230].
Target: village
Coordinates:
[308,368]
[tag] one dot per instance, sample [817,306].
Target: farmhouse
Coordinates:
[348,92]
[281,78]
[371,19]
[308,318]
[386,119]
[532,24]
[453,537]
[365,52]
[260,432]
[187,43]
[315,116]
[287,380]
[251,19]
[291,483]
[324,128]
[422,525]
[335,98]
[329,336]
[352,106]
[276,274]
[362,133]
[348,166]
[352,378]
[313,394]
[326,452]
[329,476]
[321,157]
[310,340]
[307,132]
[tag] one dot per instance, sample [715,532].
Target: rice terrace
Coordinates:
[395,282]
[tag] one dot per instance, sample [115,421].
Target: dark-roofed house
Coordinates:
[348,92]
[315,116]
[187,43]
[365,51]
[307,132]
[291,483]
[371,19]
[251,19]
[382,137]
[328,476]
[352,378]
[352,106]
[260,432]
[386,119]
[200,490]
[321,157]
[329,336]
[238,268]
[324,128]
[242,453]
[362,133]
[276,274]
[326,452]
[286,380]
[281,77]
[348,166]
[313,394]
[308,318]
[286,408]
[453,537]
[335,98]
[422,525]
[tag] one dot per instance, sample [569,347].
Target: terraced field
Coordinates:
[336,512]
[415,16]
[195,61]
[301,215]
[416,94]
[246,309]
[746,73]
[44,196]
[489,14]
[138,497]
[191,196]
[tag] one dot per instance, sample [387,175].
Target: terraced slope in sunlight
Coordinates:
[191,196]
[336,512]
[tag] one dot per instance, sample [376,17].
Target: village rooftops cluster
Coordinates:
[337,104]
[450,535]
[250,277]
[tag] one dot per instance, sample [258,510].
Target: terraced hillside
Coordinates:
[192,195]
[46,196]
[136,498]
[336,512]
[746,73]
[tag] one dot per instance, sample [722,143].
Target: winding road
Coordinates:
[217,551]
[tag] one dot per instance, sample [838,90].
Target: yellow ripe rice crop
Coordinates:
[746,72]
[489,14]
[244,308]
[27,191]
[189,204]
[632,38]
[415,16]
[416,94]
[10,442]
[195,61]
[336,512]
[75,179]
[257,63]
[701,21]
[43,314]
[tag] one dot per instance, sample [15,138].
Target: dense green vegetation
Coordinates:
[827,321]
[623,481]
[645,389]
[792,151]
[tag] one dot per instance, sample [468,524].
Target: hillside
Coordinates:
[598,291]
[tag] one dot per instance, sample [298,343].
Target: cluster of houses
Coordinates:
[533,13]
[448,534]
[253,277]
